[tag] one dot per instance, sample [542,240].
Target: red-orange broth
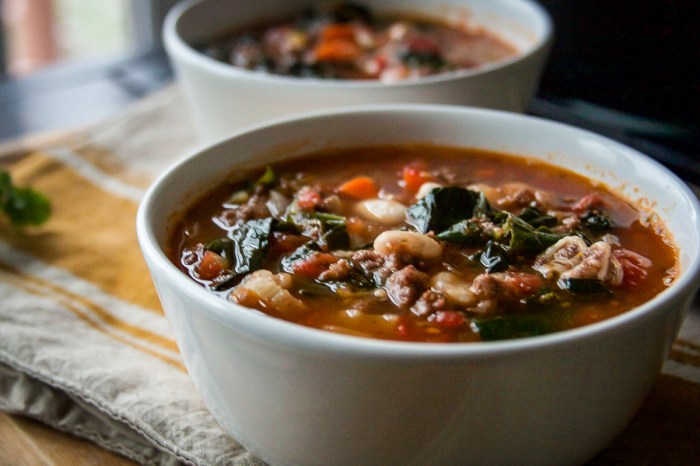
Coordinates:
[424,243]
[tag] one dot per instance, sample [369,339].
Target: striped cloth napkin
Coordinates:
[85,347]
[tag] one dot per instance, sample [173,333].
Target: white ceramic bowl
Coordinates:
[223,98]
[296,395]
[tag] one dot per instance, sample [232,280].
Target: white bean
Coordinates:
[454,288]
[385,211]
[408,242]
[425,189]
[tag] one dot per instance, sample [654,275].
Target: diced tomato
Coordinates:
[314,265]
[448,319]
[308,198]
[211,265]
[588,202]
[413,175]
[380,62]
[517,285]
[403,329]
[360,187]
[634,267]
[282,243]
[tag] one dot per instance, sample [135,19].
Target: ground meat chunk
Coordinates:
[428,303]
[494,289]
[339,271]
[406,285]
[255,207]
[520,197]
[377,266]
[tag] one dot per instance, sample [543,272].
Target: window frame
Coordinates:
[147,21]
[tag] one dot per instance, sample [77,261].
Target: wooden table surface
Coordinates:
[24,442]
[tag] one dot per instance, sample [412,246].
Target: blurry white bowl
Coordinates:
[296,395]
[223,98]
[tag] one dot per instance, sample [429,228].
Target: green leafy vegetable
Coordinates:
[246,248]
[331,228]
[335,238]
[442,208]
[494,258]
[269,178]
[514,326]
[588,286]
[454,212]
[537,218]
[483,209]
[526,239]
[250,241]
[465,233]
[23,206]
[596,221]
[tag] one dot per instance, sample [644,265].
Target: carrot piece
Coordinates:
[338,31]
[211,265]
[336,50]
[360,187]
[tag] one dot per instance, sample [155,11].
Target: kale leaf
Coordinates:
[524,239]
[442,208]
[596,221]
[453,213]
[587,286]
[514,326]
[331,229]
[537,218]
[494,257]
[465,233]
[335,238]
[250,241]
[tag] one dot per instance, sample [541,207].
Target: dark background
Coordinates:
[629,70]
[639,56]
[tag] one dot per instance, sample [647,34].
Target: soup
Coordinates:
[424,243]
[348,41]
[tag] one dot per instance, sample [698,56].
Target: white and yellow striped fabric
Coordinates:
[84,344]
[85,347]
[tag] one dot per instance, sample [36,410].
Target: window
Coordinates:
[37,33]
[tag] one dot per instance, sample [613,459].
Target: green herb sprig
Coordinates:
[23,206]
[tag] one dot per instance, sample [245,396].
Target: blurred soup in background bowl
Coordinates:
[224,97]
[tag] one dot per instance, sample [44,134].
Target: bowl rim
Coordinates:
[176,46]
[279,331]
